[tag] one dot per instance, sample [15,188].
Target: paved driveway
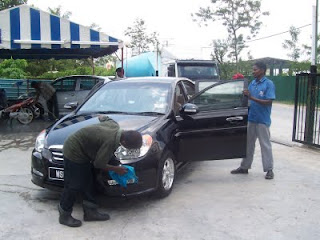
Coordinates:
[207,202]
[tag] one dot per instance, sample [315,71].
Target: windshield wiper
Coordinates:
[100,112]
[149,113]
[111,112]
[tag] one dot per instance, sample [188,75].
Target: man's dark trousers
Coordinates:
[78,178]
[53,109]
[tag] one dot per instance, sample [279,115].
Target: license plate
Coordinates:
[56,173]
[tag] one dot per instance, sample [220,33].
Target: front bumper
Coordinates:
[146,170]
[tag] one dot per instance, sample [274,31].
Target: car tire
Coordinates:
[166,175]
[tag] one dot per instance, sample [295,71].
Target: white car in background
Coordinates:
[74,89]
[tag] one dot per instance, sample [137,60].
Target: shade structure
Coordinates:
[30,33]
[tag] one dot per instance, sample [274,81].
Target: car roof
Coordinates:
[169,80]
[91,76]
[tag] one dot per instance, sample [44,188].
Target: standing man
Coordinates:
[261,93]
[119,73]
[48,92]
[91,146]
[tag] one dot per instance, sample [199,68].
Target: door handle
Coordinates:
[231,119]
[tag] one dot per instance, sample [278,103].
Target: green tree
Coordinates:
[141,41]
[95,26]
[13,69]
[4,4]
[102,61]
[220,54]
[220,50]
[292,44]
[240,17]
[58,11]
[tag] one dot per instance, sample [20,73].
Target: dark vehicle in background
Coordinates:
[177,125]
[193,69]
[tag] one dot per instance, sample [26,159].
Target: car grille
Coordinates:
[56,151]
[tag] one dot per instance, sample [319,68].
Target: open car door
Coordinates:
[213,124]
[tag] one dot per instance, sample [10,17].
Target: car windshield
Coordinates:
[129,97]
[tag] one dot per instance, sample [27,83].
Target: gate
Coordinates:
[306,125]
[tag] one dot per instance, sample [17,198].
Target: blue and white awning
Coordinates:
[26,32]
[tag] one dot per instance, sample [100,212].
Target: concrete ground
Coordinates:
[207,202]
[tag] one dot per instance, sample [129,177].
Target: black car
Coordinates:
[178,125]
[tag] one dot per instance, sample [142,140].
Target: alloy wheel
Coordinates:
[168,174]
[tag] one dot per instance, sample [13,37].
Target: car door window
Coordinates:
[65,85]
[190,89]
[87,84]
[179,99]
[222,96]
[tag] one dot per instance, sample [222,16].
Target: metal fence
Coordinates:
[16,87]
[306,125]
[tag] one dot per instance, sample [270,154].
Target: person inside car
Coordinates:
[91,146]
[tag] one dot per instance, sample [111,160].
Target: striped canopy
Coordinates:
[29,33]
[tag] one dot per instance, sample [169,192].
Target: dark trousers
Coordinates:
[78,178]
[53,109]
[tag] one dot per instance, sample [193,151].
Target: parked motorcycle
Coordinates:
[38,109]
[22,111]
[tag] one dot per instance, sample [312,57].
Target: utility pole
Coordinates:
[312,80]
[157,60]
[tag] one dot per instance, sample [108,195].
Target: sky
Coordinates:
[172,20]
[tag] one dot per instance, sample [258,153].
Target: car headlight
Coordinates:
[40,141]
[123,153]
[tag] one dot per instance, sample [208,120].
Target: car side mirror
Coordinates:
[71,105]
[189,109]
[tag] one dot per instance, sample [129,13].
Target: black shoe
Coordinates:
[239,170]
[92,214]
[269,175]
[65,218]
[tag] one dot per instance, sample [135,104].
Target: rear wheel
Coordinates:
[166,175]
[25,115]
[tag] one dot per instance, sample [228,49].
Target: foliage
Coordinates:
[141,41]
[99,71]
[95,27]
[13,69]
[58,12]
[298,67]
[292,44]
[227,68]
[102,61]
[4,4]
[245,67]
[241,18]
[220,50]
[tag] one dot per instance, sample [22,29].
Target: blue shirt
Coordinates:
[263,89]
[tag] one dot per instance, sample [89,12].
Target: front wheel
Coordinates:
[25,115]
[166,175]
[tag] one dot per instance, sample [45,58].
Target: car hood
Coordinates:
[70,124]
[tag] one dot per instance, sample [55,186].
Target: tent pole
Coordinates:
[122,61]
[93,72]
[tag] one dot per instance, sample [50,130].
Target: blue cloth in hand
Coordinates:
[122,179]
